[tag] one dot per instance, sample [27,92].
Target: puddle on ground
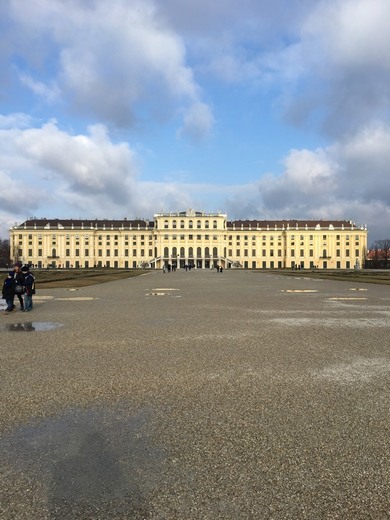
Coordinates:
[29,326]
[77,299]
[344,298]
[99,463]
[300,290]
[164,289]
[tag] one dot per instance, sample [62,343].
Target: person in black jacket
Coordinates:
[8,291]
[28,287]
[18,277]
[28,280]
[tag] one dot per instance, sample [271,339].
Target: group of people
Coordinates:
[20,283]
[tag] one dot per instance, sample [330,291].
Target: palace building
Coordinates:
[202,240]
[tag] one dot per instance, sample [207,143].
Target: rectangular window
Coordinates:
[150,252]
[134,252]
[357,253]
[292,252]
[238,252]
[126,252]
[77,252]
[115,252]
[30,252]
[108,252]
[347,252]
[264,252]
[311,252]
[86,252]
[100,252]
[39,252]
[142,252]
[302,253]
[271,253]
[230,252]
[279,252]
[245,252]
[253,252]
[337,252]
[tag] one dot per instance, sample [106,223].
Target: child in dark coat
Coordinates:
[9,291]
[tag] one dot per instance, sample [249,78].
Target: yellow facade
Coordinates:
[199,239]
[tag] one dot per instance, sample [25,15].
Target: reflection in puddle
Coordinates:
[29,326]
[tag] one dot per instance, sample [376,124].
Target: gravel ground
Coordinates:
[197,395]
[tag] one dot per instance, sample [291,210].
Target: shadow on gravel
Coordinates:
[90,463]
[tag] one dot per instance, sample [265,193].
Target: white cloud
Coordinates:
[198,122]
[88,164]
[50,94]
[344,57]
[16,120]
[109,58]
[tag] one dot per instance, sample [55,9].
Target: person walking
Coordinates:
[8,292]
[28,284]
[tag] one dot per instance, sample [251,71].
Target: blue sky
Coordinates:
[261,109]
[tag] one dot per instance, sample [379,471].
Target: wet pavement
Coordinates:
[197,396]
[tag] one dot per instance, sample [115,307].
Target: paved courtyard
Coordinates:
[197,395]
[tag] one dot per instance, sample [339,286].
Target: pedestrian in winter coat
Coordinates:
[8,291]
[18,277]
[28,288]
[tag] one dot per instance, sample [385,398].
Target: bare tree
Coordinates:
[384,251]
[380,254]
[4,253]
